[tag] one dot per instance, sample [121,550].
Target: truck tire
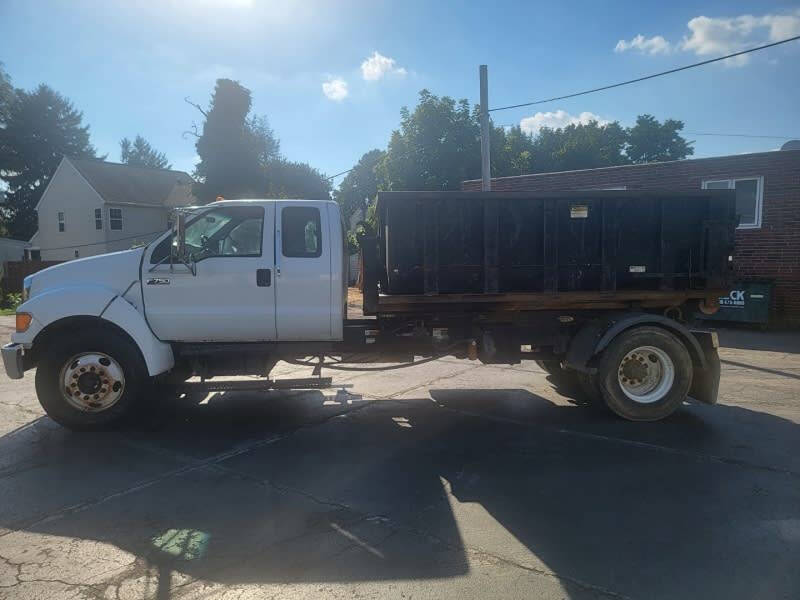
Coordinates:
[645,374]
[90,380]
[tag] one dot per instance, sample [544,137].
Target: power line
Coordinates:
[742,135]
[337,175]
[747,135]
[646,77]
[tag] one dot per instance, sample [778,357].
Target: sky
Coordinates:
[332,76]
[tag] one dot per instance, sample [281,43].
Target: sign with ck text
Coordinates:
[733,300]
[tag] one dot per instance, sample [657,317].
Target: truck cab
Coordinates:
[262,271]
[254,271]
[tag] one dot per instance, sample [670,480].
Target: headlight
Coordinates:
[23,321]
[26,288]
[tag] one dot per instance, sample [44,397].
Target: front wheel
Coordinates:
[645,374]
[91,379]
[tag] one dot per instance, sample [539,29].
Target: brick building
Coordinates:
[767,188]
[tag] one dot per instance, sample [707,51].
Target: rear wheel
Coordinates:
[90,380]
[645,374]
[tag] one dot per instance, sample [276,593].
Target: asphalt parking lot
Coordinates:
[446,480]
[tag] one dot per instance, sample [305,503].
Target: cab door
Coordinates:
[302,271]
[232,296]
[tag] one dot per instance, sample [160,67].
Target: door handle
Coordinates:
[263,277]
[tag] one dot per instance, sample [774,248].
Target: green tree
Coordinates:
[289,179]
[266,146]
[240,155]
[578,146]
[512,152]
[231,161]
[140,153]
[41,128]
[6,98]
[651,141]
[436,148]
[360,185]
[6,95]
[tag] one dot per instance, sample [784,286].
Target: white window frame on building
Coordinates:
[112,219]
[759,179]
[61,223]
[98,218]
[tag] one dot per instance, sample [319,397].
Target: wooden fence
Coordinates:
[15,271]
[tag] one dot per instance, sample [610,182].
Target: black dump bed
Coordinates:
[608,242]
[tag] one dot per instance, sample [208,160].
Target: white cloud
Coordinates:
[335,89]
[710,36]
[654,45]
[716,36]
[378,65]
[557,119]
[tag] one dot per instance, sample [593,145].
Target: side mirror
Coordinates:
[179,237]
[178,250]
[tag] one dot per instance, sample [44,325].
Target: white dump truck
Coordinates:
[238,285]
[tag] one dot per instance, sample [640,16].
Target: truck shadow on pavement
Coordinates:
[311,488]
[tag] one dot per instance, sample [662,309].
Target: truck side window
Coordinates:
[301,232]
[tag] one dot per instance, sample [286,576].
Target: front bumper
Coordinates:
[13,360]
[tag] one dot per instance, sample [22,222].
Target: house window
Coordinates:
[98,218]
[115,219]
[749,198]
[61,221]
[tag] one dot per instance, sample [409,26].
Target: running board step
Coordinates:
[308,383]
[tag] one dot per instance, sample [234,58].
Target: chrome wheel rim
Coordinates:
[646,374]
[92,382]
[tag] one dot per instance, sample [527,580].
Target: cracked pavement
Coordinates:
[446,480]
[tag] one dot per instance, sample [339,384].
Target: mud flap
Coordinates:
[705,380]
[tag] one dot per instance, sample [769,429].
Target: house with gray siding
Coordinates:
[92,207]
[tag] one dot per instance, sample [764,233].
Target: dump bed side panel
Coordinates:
[499,242]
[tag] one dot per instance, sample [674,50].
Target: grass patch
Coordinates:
[4,312]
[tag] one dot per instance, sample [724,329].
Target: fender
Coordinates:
[59,303]
[95,301]
[157,354]
[596,335]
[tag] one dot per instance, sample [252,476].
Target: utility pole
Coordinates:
[486,176]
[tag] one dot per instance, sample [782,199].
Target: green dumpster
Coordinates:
[748,302]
